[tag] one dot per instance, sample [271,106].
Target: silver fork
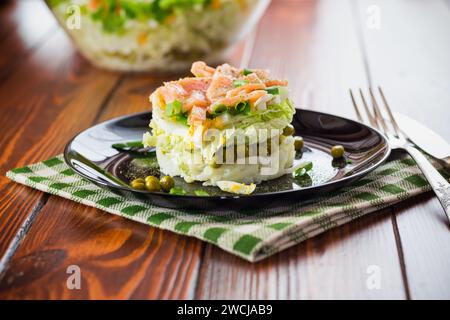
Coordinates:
[397,140]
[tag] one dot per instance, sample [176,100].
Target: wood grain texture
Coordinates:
[424,232]
[118,258]
[409,58]
[144,262]
[319,54]
[39,103]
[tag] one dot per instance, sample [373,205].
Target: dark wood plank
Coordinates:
[118,258]
[43,104]
[409,58]
[24,26]
[319,53]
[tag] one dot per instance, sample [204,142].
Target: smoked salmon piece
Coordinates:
[246,88]
[197,115]
[272,82]
[220,84]
[200,69]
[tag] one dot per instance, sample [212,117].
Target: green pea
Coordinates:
[337,151]
[298,143]
[152,184]
[138,184]
[288,130]
[167,183]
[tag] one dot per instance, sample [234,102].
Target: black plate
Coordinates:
[91,155]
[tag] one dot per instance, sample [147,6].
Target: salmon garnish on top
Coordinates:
[212,89]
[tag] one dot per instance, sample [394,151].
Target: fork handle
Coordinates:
[440,186]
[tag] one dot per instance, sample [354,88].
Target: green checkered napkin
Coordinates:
[250,234]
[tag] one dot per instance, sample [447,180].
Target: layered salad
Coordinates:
[161,35]
[224,126]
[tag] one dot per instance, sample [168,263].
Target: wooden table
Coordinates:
[48,93]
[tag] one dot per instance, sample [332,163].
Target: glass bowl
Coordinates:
[156,35]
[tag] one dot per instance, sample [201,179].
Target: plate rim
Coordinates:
[358,175]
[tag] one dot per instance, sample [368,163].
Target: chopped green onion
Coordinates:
[177,191]
[201,193]
[273,90]
[239,83]
[173,108]
[218,109]
[243,107]
[303,169]
[246,72]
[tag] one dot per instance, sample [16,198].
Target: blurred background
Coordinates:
[156,35]
[317,45]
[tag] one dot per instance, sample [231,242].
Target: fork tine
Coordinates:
[388,109]
[377,111]
[372,121]
[358,114]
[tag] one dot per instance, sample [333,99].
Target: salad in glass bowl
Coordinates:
[156,35]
